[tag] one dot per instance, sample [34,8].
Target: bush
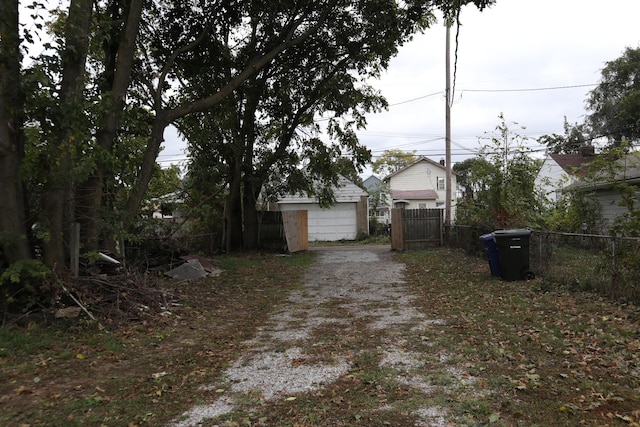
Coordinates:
[23,285]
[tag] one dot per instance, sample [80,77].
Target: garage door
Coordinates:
[336,223]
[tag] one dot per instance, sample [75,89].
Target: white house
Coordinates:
[342,221]
[560,171]
[421,185]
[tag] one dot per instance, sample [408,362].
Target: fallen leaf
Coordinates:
[24,390]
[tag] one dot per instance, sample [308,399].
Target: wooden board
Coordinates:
[296,230]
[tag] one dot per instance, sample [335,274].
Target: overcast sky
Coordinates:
[532,60]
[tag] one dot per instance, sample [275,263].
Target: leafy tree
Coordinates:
[506,195]
[393,160]
[472,177]
[615,102]
[266,130]
[14,244]
[110,73]
[200,32]
[575,137]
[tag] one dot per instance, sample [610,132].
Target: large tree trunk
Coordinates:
[145,172]
[14,244]
[58,197]
[233,209]
[91,193]
[250,212]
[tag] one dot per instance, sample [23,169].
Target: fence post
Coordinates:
[540,252]
[397,230]
[75,249]
[613,255]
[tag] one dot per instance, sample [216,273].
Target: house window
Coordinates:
[439,204]
[440,183]
[422,206]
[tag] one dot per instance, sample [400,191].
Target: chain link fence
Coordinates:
[586,262]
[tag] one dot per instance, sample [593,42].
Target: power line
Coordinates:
[416,99]
[529,89]
[497,91]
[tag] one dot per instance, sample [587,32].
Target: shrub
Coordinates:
[23,285]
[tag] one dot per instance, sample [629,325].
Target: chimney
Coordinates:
[586,150]
[442,162]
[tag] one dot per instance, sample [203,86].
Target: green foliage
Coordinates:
[22,284]
[574,138]
[473,176]
[266,136]
[615,102]
[498,186]
[625,285]
[164,181]
[262,73]
[573,210]
[377,198]
[393,160]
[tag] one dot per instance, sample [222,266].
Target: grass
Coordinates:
[494,353]
[72,373]
[554,358]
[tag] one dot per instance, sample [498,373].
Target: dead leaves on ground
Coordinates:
[578,353]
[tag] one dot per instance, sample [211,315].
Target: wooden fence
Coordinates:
[271,231]
[416,228]
[280,230]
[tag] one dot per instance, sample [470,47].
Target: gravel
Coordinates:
[366,284]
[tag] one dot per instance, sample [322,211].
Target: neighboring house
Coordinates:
[342,221]
[606,187]
[420,185]
[560,171]
[168,206]
[378,206]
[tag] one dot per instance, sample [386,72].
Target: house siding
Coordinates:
[610,206]
[552,179]
[423,175]
[603,188]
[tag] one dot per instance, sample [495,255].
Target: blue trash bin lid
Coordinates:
[486,237]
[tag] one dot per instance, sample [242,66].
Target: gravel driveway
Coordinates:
[344,286]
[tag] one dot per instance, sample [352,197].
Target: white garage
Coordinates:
[342,221]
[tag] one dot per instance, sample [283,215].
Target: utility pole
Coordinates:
[447,203]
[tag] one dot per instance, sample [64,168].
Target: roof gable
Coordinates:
[409,166]
[626,169]
[372,183]
[345,192]
[572,164]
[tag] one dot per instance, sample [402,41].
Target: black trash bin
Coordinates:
[491,251]
[513,253]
